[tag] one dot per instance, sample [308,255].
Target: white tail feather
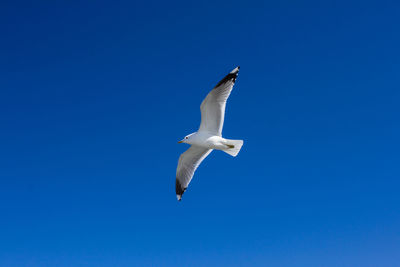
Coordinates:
[237,145]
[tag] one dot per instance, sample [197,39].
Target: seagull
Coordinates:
[209,135]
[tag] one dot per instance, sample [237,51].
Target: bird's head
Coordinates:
[186,140]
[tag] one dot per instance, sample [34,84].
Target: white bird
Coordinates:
[209,135]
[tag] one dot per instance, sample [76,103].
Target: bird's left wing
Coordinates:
[187,165]
[213,106]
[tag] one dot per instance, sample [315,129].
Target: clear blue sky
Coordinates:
[94,97]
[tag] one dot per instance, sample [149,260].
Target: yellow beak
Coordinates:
[180,142]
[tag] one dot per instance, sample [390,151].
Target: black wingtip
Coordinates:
[179,190]
[230,77]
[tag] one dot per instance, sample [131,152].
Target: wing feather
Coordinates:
[213,106]
[187,165]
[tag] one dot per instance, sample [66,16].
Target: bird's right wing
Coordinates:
[187,165]
[213,106]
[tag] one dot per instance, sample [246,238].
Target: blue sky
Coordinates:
[95,95]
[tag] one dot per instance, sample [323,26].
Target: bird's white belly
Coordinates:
[210,141]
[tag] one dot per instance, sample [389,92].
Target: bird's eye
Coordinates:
[186,137]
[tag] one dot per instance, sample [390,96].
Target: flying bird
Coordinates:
[209,135]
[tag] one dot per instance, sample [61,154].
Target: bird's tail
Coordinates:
[234,147]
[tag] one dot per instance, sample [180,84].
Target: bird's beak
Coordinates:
[180,142]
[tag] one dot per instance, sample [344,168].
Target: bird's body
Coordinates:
[208,140]
[209,135]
